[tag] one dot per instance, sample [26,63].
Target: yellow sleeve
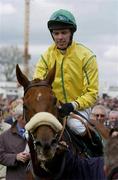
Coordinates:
[41,68]
[91,82]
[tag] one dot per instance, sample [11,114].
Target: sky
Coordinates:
[97,22]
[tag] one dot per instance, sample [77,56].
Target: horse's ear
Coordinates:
[22,79]
[51,75]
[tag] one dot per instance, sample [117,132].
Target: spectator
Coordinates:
[111,158]
[100,112]
[12,147]
[113,119]
[98,117]
[3,127]
[10,118]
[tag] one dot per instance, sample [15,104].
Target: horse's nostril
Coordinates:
[47,146]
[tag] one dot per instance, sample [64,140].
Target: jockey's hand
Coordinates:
[65,109]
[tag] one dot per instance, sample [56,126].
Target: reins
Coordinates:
[89,126]
[64,125]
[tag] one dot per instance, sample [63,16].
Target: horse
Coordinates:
[52,158]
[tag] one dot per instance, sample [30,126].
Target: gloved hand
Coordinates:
[66,109]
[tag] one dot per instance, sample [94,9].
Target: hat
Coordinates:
[62,19]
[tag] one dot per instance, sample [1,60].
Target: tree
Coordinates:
[9,57]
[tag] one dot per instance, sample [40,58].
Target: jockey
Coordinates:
[76,79]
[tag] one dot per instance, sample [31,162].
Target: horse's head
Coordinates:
[38,94]
[40,110]
[45,130]
[39,99]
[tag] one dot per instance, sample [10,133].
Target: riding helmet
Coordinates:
[62,19]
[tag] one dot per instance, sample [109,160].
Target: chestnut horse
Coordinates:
[52,157]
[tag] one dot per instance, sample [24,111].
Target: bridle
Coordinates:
[35,143]
[37,84]
[41,84]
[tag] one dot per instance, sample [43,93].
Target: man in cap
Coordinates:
[76,80]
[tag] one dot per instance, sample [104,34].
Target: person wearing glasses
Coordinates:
[100,112]
[99,117]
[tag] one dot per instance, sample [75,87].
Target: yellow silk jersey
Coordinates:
[76,74]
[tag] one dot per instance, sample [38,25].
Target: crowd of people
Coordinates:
[105,109]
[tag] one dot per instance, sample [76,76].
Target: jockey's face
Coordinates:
[62,38]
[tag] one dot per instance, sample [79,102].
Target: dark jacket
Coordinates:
[11,143]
